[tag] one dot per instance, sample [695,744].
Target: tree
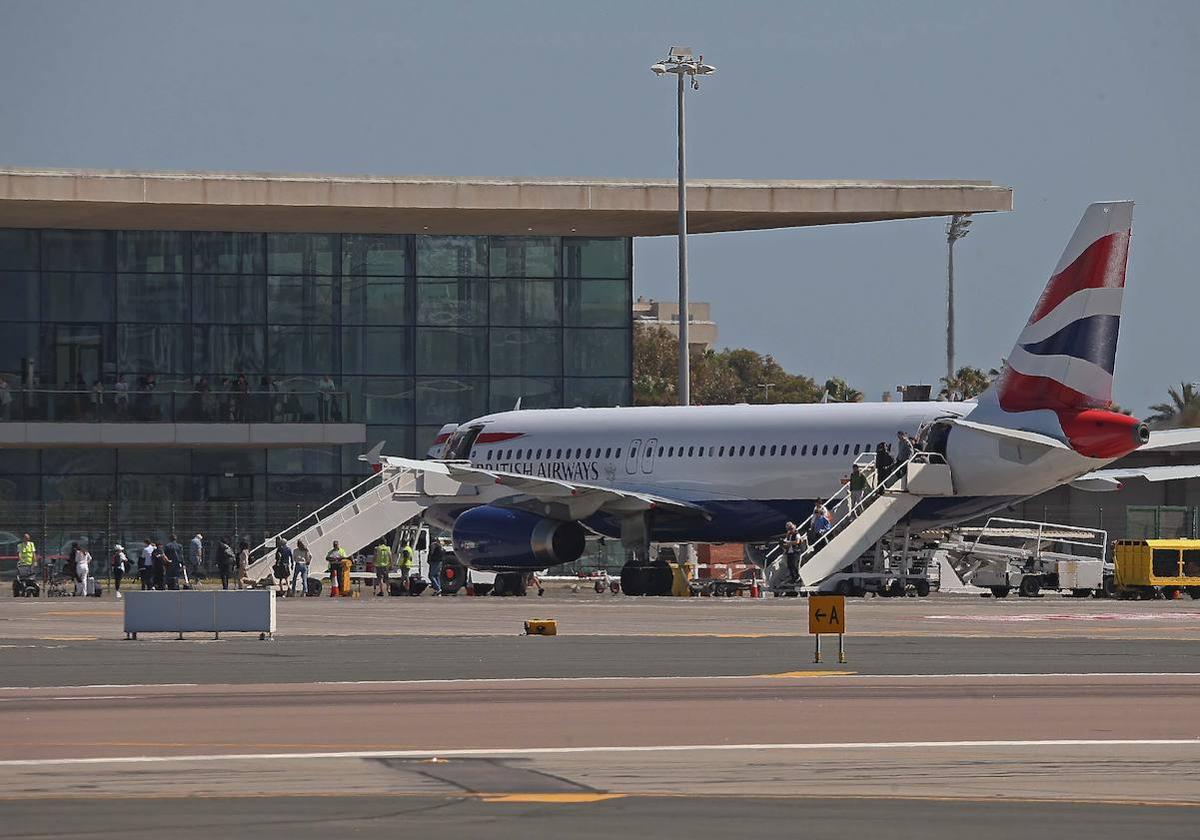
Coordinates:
[719,377]
[967,382]
[838,391]
[1182,412]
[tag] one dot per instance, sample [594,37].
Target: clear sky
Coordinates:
[1066,102]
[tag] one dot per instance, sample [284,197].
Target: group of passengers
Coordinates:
[796,543]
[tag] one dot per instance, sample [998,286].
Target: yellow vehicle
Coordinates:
[1154,568]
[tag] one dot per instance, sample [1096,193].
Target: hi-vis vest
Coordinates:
[25,553]
[383,557]
[406,557]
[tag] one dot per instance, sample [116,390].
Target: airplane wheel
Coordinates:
[633,579]
[1000,591]
[842,588]
[1031,585]
[896,588]
[451,577]
[1110,587]
[499,588]
[922,587]
[1194,593]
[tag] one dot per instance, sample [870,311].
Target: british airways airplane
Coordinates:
[519,490]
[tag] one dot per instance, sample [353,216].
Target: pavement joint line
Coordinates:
[662,748]
[619,678]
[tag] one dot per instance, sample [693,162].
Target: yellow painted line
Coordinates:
[554,798]
[67,638]
[789,674]
[84,612]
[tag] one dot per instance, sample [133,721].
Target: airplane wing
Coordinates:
[1110,479]
[1172,439]
[535,493]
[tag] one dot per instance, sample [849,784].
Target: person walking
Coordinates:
[26,558]
[225,561]
[436,558]
[146,566]
[120,563]
[406,563]
[196,555]
[83,568]
[158,567]
[858,486]
[383,566]
[243,563]
[282,569]
[301,558]
[883,464]
[336,559]
[792,550]
[904,447]
[172,563]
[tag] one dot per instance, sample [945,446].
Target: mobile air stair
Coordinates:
[358,517]
[858,530]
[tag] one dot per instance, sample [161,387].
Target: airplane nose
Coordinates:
[1141,434]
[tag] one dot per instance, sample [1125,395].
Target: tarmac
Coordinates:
[705,717]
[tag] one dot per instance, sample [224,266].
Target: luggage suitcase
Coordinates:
[314,587]
[417,585]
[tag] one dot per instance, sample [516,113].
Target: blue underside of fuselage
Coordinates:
[754,520]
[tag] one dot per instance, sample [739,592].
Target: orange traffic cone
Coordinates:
[754,588]
[333,584]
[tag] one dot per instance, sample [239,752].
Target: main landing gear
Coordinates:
[639,577]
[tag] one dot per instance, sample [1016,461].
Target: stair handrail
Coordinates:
[321,514]
[842,496]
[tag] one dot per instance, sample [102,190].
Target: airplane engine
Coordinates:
[504,539]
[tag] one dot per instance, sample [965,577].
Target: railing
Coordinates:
[843,500]
[998,528]
[154,406]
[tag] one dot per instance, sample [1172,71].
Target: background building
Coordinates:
[271,328]
[702,334]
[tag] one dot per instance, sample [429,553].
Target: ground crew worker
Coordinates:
[383,565]
[336,559]
[406,562]
[26,557]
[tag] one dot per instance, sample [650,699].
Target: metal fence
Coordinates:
[102,524]
[1162,522]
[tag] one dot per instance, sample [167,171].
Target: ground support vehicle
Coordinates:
[899,564]
[1156,568]
[1029,557]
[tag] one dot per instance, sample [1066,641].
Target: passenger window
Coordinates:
[608,452]
[660,452]
[558,456]
[670,451]
[1165,562]
[577,451]
[825,449]
[741,451]
[793,450]
[489,455]
[804,450]
[618,454]
[721,452]
[589,452]
[691,449]
[772,450]
[856,449]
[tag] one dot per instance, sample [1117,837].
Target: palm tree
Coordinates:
[967,382]
[1182,412]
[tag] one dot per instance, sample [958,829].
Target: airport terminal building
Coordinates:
[237,340]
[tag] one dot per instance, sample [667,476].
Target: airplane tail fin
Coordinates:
[1064,358]
[372,456]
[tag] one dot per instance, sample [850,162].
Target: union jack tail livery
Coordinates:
[1064,358]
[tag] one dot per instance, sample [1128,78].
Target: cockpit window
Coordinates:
[460,443]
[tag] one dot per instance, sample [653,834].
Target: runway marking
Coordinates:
[557,798]
[810,674]
[1175,616]
[84,612]
[67,638]
[619,678]
[663,748]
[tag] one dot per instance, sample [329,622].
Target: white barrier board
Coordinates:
[200,611]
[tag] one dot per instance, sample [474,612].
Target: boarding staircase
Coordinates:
[857,527]
[356,519]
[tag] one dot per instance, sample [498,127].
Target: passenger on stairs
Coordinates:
[821,523]
[883,464]
[243,564]
[904,447]
[858,486]
[792,550]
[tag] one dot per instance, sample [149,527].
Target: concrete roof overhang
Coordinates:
[117,199]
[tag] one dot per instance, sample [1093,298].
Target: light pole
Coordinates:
[958,227]
[681,62]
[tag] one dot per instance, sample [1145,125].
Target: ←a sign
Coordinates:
[827,614]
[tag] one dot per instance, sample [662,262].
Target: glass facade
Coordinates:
[414,331]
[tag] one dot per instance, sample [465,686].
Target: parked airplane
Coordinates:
[519,489]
